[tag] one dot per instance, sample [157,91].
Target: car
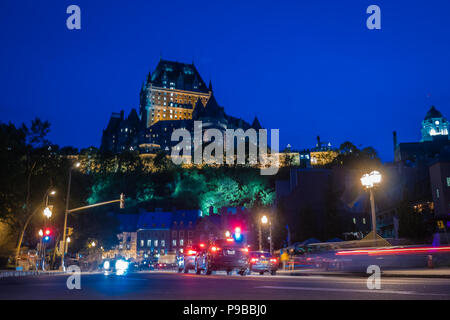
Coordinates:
[186,260]
[147,264]
[224,255]
[118,266]
[262,261]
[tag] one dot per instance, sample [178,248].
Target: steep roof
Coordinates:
[433,113]
[211,110]
[256,125]
[198,109]
[128,222]
[154,220]
[184,76]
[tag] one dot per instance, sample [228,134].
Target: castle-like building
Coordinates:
[172,97]
[435,140]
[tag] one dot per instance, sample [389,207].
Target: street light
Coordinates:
[265,220]
[38,209]
[48,211]
[76,165]
[369,181]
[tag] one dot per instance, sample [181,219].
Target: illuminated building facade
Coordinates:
[434,140]
[171,92]
[434,125]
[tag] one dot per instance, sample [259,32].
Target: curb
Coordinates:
[13,273]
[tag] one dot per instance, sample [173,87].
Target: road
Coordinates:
[167,285]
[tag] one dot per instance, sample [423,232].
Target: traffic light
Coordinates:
[122,201]
[237,233]
[47,235]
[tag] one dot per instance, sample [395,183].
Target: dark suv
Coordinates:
[223,255]
[262,261]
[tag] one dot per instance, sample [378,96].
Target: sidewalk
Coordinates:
[409,273]
[14,273]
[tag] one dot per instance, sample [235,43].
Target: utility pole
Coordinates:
[66,212]
[260,236]
[270,236]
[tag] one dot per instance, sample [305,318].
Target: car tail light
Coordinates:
[245,250]
[254,260]
[215,249]
[202,245]
[274,260]
[192,252]
[230,240]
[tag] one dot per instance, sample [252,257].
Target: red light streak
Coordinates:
[374,252]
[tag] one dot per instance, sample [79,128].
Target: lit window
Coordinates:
[149,243]
[448,181]
[174,243]
[142,243]
[364,220]
[163,243]
[156,243]
[354,220]
[181,242]
[437,193]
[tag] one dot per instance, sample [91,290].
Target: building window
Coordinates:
[142,243]
[364,220]
[437,193]
[189,234]
[181,242]
[174,243]
[354,220]
[181,234]
[156,243]
[448,181]
[149,243]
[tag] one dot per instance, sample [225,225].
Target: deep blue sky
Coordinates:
[306,67]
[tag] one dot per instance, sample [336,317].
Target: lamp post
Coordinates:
[66,212]
[44,202]
[265,220]
[369,181]
[41,235]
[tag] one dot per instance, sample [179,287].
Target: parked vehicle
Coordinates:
[186,260]
[262,261]
[226,255]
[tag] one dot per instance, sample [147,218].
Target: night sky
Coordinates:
[306,67]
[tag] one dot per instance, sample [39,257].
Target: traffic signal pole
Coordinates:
[122,205]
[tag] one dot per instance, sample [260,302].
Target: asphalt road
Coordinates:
[167,285]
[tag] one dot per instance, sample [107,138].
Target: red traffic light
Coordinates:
[47,232]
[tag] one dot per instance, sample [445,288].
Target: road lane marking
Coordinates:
[351,290]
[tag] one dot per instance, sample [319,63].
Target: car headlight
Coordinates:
[106,264]
[121,265]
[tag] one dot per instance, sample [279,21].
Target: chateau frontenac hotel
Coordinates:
[172,97]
